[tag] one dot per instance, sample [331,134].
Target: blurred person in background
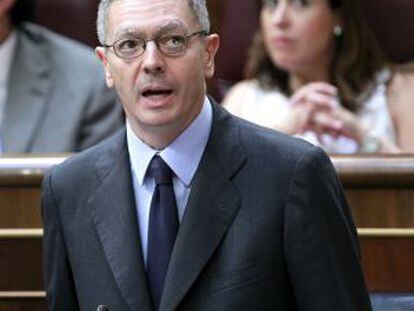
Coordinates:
[53,96]
[315,71]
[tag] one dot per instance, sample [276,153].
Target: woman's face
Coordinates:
[298,34]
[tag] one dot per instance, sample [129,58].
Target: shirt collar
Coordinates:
[182,155]
[7,49]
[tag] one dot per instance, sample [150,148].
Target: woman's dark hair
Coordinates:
[356,61]
[22,11]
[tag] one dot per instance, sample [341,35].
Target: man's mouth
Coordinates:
[154,93]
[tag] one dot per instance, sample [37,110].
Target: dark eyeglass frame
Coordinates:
[156,40]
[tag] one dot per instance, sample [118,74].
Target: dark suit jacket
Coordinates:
[57,98]
[266,227]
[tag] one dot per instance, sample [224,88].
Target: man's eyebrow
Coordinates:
[138,32]
[129,31]
[170,26]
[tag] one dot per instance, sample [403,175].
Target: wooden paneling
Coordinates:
[380,192]
[375,171]
[20,207]
[382,208]
[379,189]
[21,260]
[20,182]
[22,302]
[21,273]
[387,261]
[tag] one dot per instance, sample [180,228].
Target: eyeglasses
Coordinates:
[169,44]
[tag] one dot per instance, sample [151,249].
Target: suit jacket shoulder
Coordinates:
[61,50]
[89,166]
[57,86]
[266,150]
[89,217]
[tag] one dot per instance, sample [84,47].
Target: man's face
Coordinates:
[160,94]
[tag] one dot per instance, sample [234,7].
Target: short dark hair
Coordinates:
[22,11]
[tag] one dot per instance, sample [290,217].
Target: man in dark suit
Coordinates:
[263,222]
[53,96]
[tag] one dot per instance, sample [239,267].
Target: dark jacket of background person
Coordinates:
[57,98]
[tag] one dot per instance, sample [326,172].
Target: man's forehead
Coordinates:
[144,15]
[166,26]
[148,9]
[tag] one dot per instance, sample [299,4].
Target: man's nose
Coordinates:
[152,59]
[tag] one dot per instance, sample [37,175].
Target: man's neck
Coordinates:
[159,137]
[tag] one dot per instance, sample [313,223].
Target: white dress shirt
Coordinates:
[183,156]
[7,49]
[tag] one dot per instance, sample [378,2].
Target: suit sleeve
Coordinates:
[103,115]
[320,240]
[59,285]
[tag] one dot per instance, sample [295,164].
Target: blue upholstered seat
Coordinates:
[392,302]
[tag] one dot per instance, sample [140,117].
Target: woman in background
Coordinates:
[315,71]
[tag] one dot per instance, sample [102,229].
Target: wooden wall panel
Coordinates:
[20,193]
[21,264]
[380,192]
[20,207]
[23,304]
[388,263]
[382,207]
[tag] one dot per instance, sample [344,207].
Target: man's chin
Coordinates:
[156,121]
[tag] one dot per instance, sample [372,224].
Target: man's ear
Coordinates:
[100,52]
[211,48]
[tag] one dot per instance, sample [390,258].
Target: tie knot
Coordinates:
[160,171]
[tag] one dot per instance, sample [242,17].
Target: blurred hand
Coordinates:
[350,125]
[312,109]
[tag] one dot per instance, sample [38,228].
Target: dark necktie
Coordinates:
[163,227]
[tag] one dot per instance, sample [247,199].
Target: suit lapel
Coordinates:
[30,80]
[211,208]
[113,207]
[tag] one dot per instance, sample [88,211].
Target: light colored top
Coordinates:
[7,49]
[183,156]
[269,107]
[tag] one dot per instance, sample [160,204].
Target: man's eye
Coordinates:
[174,41]
[125,45]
